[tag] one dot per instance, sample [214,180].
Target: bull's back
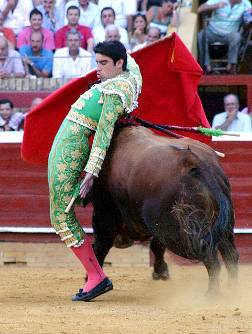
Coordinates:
[141,159]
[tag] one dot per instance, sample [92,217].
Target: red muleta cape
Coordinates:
[169,96]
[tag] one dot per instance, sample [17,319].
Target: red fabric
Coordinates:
[60,36]
[169,96]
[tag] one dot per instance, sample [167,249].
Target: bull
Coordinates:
[171,191]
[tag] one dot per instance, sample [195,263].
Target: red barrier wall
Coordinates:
[24,194]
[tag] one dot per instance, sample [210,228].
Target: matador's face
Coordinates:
[106,69]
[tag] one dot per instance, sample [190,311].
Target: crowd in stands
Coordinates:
[55,38]
[131,22]
[224,26]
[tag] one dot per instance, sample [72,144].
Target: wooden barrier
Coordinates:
[24,195]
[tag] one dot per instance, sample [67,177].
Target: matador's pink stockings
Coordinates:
[87,257]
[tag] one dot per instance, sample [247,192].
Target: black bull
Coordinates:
[172,191]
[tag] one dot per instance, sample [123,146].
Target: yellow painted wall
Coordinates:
[188,29]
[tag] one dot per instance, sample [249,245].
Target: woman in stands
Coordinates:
[139,32]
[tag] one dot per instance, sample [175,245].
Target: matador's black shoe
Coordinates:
[103,287]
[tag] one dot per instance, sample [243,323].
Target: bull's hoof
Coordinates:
[212,293]
[161,276]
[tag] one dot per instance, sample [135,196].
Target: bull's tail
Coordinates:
[204,210]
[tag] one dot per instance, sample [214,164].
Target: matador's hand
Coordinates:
[86,185]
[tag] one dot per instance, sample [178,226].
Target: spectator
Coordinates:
[153,35]
[16,13]
[35,102]
[51,15]
[139,32]
[36,59]
[162,17]
[124,10]
[71,61]
[36,19]
[108,17]
[223,27]
[232,119]
[9,120]
[60,7]
[89,12]
[10,61]
[7,33]
[112,33]
[73,16]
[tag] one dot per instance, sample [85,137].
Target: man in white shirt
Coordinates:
[16,14]
[89,12]
[71,61]
[124,9]
[232,119]
[108,17]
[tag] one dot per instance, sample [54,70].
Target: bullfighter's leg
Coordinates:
[160,266]
[67,159]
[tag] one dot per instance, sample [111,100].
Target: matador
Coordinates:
[95,112]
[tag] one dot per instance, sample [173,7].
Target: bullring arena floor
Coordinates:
[35,297]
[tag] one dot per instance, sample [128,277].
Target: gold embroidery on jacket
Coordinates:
[82,120]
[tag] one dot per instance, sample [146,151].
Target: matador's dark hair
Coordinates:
[114,50]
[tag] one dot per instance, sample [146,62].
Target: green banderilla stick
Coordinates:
[201,130]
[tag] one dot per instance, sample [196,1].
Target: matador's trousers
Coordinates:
[67,159]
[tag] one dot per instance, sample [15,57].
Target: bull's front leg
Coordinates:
[160,266]
[104,236]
